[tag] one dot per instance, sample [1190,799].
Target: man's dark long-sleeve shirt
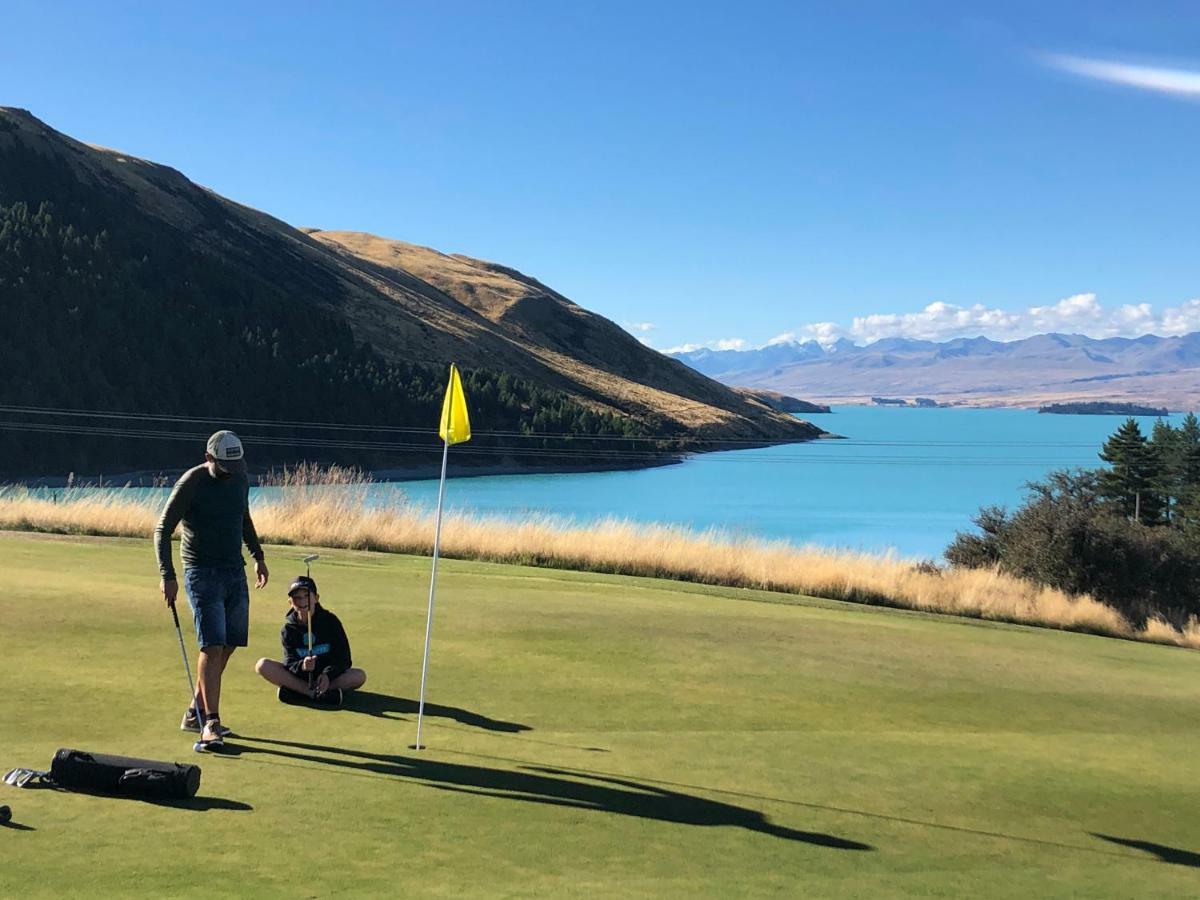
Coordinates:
[330,644]
[215,513]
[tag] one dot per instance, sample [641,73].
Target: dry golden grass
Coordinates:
[495,292]
[333,508]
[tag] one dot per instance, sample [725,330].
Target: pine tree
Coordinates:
[1127,485]
[1166,481]
[1189,471]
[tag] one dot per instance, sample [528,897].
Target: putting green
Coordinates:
[596,734]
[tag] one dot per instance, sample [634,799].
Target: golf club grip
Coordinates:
[174,614]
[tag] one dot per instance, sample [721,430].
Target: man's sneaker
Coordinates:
[295,698]
[211,737]
[191,722]
[332,697]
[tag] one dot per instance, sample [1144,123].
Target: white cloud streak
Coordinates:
[720,344]
[640,327]
[1177,82]
[1077,314]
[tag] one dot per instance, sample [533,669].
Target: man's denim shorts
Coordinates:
[220,605]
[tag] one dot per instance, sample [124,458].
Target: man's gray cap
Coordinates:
[226,448]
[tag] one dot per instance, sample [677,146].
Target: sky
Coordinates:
[704,174]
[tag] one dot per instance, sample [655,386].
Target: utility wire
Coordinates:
[539,435]
[565,453]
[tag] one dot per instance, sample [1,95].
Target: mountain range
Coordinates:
[128,288]
[970,371]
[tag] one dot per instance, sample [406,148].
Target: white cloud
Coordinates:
[1071,313]
[1183,319]
[720,344]
[641,327]
[940,321]
[824,333]
[1077,314]
[1178,82]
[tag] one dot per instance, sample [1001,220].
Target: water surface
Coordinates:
[904,480]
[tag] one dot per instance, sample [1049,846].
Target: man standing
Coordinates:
[213,502]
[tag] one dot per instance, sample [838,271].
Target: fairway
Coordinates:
[595,734]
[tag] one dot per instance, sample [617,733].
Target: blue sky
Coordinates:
[721,172]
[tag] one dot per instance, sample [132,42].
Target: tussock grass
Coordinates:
[330,508]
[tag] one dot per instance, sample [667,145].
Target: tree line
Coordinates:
[1128,532]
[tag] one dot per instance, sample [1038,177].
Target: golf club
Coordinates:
[188,669]
[308,561]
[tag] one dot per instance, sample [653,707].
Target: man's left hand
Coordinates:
[322,684]
[261,573]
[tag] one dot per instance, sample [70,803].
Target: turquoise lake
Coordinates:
[904,480]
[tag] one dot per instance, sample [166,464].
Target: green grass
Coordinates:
[674,740]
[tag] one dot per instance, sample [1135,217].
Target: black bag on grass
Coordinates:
[78,770]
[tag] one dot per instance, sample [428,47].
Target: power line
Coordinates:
[563,453]
[538,435]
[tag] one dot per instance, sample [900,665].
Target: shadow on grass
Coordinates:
[17,826]
[195,804]
[553,787]
[388,707]
[1162,851]
[884,817]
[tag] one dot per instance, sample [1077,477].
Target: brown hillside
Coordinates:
[596,359]
[414,304]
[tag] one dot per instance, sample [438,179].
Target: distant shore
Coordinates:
[150,478]
[1029,402]
[412,472]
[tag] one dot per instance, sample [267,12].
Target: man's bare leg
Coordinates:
[208,679]
[218,659]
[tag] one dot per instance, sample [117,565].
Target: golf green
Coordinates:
[593,734]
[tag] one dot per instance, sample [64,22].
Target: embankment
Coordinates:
[338,515]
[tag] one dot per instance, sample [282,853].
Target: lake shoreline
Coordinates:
[147,478]
[153,478]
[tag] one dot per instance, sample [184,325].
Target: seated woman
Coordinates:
[323,674]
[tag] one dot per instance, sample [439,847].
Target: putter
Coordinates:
[308,561]
[197,746]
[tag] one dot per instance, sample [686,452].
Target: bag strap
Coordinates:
[142,776]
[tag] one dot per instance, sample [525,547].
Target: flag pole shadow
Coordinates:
[551,787]
[387,706]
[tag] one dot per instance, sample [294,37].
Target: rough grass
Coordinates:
[330,508]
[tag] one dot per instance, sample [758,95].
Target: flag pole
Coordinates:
[437,537]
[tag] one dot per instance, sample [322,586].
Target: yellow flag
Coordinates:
[455,427]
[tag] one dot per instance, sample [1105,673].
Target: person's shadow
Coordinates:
[386,706]
[1162,851]
[554,787]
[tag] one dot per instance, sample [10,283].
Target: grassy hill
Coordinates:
[599,734]
[126,287]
